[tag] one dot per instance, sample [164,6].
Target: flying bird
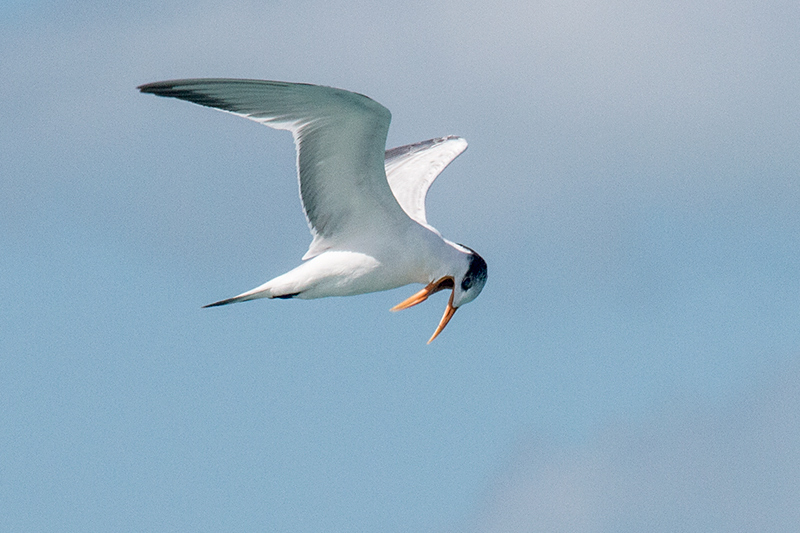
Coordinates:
[365,206]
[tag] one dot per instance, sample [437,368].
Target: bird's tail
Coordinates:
[259,292]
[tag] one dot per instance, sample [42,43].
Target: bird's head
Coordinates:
[466,284]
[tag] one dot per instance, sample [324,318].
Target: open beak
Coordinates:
[446,282]
[449,311]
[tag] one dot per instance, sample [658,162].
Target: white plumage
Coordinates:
[365,207]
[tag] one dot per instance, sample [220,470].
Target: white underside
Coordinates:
[417,255]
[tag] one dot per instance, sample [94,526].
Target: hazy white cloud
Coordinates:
[730,467]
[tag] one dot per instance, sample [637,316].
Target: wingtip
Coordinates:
[166,87]
[159,88]
[147,87]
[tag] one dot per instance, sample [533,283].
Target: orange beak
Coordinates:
[446,282]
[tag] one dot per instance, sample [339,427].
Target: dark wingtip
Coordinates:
[193,90]
[167,88]
[151,88]
[159,88]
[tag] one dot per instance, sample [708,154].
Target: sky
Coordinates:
[632,180]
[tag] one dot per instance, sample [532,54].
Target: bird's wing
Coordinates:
[411,170]
[340,138]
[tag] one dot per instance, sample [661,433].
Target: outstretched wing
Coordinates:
[411,169]
[340,138]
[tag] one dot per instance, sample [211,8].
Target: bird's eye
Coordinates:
[466,283]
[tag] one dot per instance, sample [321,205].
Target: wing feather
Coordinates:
[340,138]
[411,170]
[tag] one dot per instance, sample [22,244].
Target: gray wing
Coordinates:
[411,170]
[340,138]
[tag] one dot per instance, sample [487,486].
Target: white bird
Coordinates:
[365,207]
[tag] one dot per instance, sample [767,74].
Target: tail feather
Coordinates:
[227,301]
[258,292]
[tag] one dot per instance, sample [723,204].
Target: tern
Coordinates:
[365,205]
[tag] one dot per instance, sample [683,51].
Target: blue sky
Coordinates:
[633,181]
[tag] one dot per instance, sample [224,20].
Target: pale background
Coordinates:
[633,181]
